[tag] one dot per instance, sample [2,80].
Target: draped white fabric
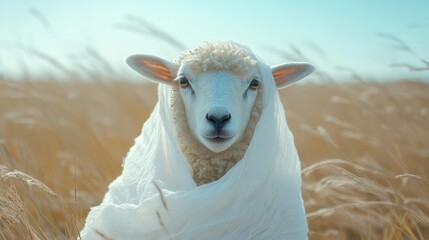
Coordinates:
[259,198]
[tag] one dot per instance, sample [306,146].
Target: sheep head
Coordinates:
[218,84]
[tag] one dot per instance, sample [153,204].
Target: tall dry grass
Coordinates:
[364,150]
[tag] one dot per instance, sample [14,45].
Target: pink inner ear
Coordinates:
[156,69]
[281,75]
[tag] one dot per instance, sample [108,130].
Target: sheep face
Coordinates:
[218,84]
[218,104]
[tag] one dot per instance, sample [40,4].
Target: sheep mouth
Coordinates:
[218,139]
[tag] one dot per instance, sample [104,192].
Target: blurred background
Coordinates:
[366,37]
[70,108]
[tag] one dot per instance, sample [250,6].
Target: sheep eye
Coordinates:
[184,82]
[254,84]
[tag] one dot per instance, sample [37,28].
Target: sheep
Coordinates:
[209,165]
[193,161]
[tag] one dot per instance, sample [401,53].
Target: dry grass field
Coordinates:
[364,149]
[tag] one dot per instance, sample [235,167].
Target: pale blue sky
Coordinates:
[329,33]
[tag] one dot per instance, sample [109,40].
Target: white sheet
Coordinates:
[259,198]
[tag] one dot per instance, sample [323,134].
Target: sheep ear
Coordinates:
[153,68]
[288,73]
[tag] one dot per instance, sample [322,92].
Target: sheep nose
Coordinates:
[218,121]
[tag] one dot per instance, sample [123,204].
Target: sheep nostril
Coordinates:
[218,122]
[225,119]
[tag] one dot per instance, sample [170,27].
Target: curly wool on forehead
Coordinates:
[218,56]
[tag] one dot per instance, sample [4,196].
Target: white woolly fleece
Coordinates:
[218,56]
[157,198]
